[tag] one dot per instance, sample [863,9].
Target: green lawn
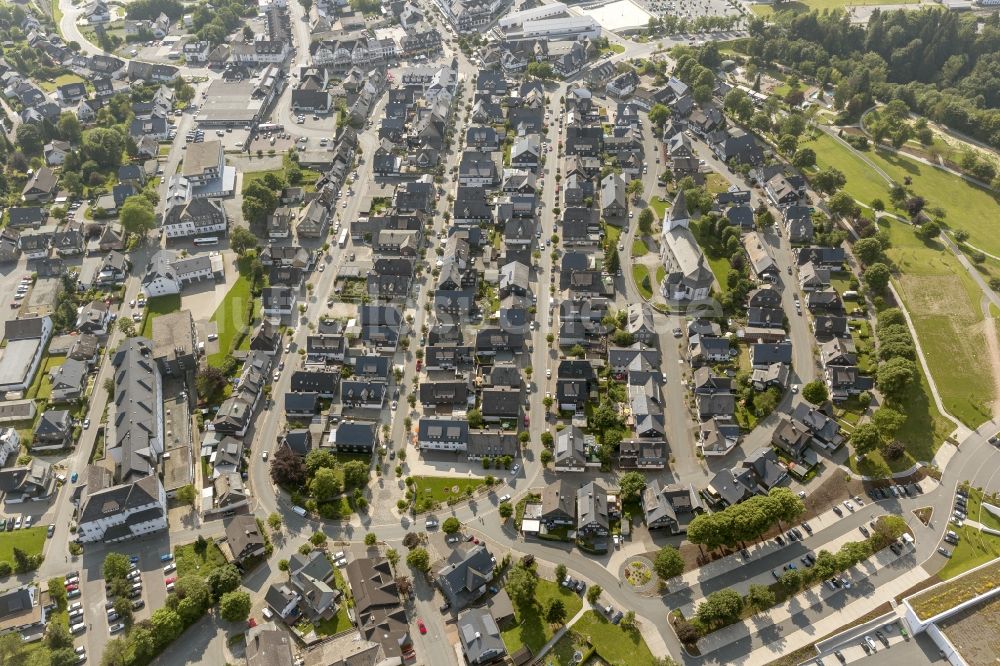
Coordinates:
[611,234]
[41,387]
[60,80]
[968,207]
[720,268]
[639,248]
[642,282]
[862,183]
[809,5]
[944,303]
[156,306]
[339,622]
[190,562]
[231,319]
[661,273]
[531,629]
[444,488]
[30,541]
[974,548]
[616,646]
[659,206]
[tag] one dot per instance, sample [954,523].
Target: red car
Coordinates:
[170,580]
[71,588]
[527,421]
[422,626]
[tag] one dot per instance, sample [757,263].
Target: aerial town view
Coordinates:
[527,332]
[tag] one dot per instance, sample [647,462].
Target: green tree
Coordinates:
[283,565]
[223,579]
[474,418]
[166,625]
[137,216]
[868,250]
[355,474]
[804,158]
[506,509]
[631,485]
[324,485]
[759,598]
[57,636]
[865,438]
[393,556]
[235,606]
[241,240]
[877,277]
[318,538]
[318,458]
[186,494]
[57,593]
[815,392]
[843,205]
[895,375]
[719,607]
[594,593]
[116,566]
[555,611]
[419,559]
[274,520]
[646,220]
[888,421]
[628,620]
[668,563]
[370,539]
[29,139]
[829,180]
[520,586]
[791,580]
[783,505]
[546,457]
[451,525]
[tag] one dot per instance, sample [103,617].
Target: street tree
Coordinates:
[668,563]
[631,485]
[866,438]
[235,606]
[815,392]
[419,559]
[521,583]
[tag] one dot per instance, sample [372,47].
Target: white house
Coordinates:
[10,443]
[112,513]
[166,274]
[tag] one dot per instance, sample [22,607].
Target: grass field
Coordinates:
[616,646]
[862,183]
[531,629]
[659,206]
[809,5]
[41,387]
[974,547]
[156,306]
[443,488]
[642,280]
[190,562]
[612,234]
[61,80]
[639,248]
[230,318]
[30,541]
[968,207]
[944,304]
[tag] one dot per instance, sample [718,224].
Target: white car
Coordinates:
[170,568]
[504,498]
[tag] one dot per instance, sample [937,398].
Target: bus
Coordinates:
[207,240]
[342,241]
[269,127]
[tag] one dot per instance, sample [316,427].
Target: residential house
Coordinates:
[670,507]
[466,574]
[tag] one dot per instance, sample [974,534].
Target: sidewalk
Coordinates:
[809,598]
[834,621]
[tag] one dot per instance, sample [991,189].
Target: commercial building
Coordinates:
[25,341]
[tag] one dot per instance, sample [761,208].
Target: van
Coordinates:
[850,295]
[78,628]
[267,613]
[299,510]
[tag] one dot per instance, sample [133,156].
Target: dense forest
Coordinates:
[943,65]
